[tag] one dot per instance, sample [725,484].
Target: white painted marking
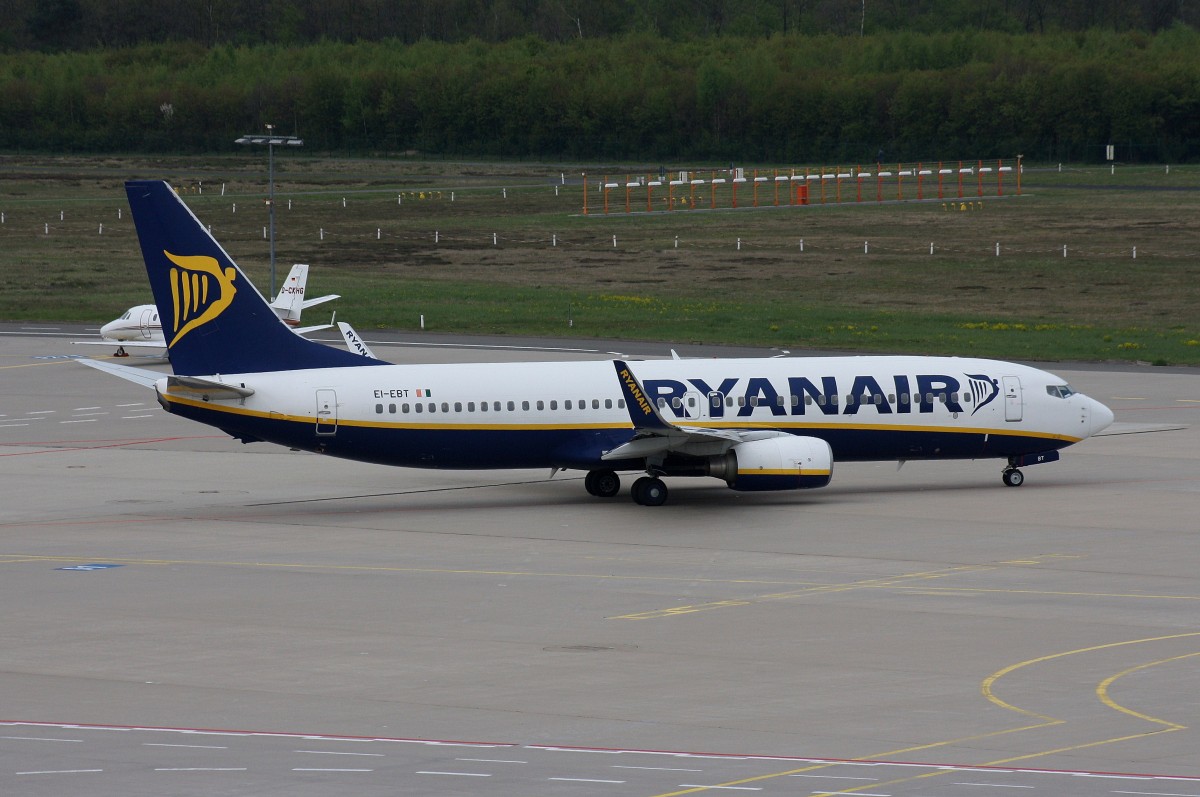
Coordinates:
[835,777]
[135,417]
[493,760]
[339,752]
[41,412]
[658,769]
[61,772]
[86,420]
[458,774]
[301,769]
[85,414]
[134,404]
[200,769]
[38,739]
[11,425]
[997,785]
[194,746]
[725,788]
[81,409]
[1157,793]
[859,793]
[585,780]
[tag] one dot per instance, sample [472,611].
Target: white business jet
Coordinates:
[140,326]
[754,424]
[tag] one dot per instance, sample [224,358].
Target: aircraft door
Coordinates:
[144,323]
[326,412]
[694,406]
[1012,398]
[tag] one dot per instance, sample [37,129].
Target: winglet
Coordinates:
[642,412]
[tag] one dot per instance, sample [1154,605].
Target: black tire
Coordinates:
[649,491]
[1013,478]
[602,483]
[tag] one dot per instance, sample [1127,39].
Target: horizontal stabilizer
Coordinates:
[139,376]
[307,303]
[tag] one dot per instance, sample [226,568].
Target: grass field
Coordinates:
[505,248]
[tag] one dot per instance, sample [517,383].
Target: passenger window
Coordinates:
[904,398]
[662,403]
[553,405]
[432,407]
[621,403]
[541,405]
[458,406]
[595,404]
[512,405]
[470,406]
[891,398]
[849,399]
[392,409]
[608,404]
[954,397]
[404,408]
[496,406]
[567,404]
[419,407]
[808,400]
[379,409]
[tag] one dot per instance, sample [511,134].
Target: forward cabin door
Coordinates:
[326,412]
[1012,398]
[145,322]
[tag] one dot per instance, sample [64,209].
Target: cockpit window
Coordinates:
[1060,391]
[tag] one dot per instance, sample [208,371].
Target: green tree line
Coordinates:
[83,24]
[784,99]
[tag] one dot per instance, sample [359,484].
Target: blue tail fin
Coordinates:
[215,321]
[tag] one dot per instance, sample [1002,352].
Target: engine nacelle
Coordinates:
[778,463]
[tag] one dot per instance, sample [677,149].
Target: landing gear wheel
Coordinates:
[1013,477]
[649,491]
[602,483]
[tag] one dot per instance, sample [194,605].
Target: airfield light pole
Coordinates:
[270,139]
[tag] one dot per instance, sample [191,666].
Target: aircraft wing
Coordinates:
[654,435]
[129,344]
[141,376]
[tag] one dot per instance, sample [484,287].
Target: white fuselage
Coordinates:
[496,415]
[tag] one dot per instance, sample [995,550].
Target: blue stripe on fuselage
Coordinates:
[483,447]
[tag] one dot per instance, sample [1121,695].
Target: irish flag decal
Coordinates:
[424,393]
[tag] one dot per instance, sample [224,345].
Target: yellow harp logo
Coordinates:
[200,292]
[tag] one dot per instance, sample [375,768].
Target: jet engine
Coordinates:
[776,463]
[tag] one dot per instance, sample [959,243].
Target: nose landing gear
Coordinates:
[1013,477]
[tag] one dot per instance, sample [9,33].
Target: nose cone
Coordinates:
[110,330]
[1102,416]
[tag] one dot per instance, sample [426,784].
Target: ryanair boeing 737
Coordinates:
[756,424]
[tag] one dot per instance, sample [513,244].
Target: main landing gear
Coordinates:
[647,491]
[602,483]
